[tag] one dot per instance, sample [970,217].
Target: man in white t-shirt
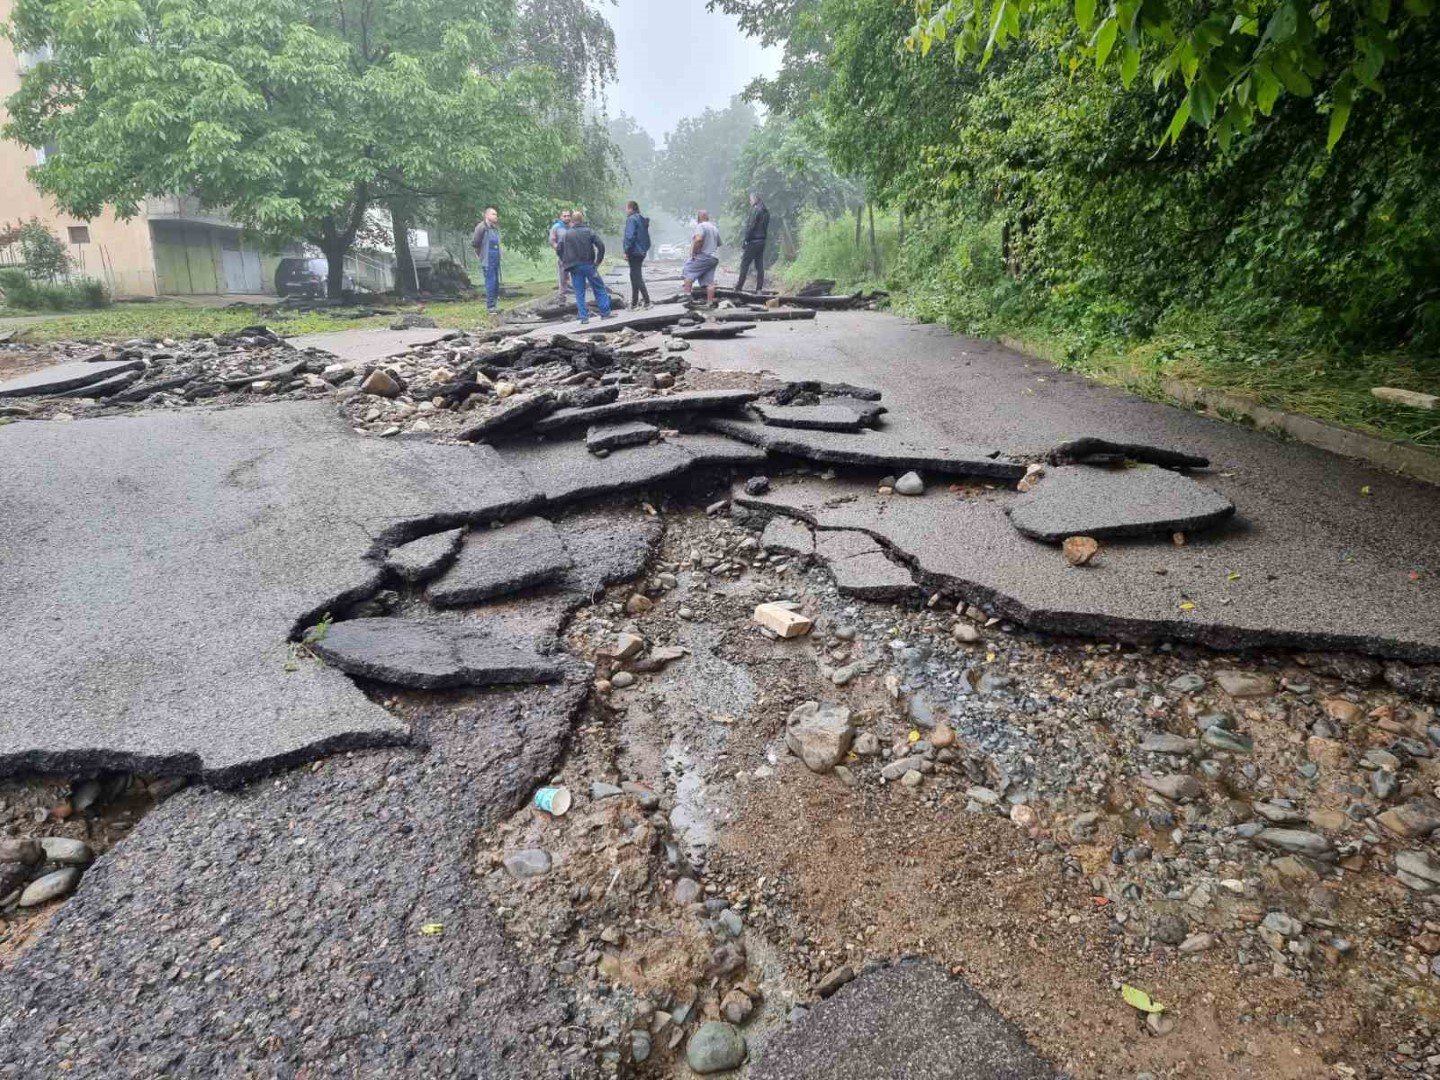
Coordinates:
[700,267]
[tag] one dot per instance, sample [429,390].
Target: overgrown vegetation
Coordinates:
[42,281]
[1044,199]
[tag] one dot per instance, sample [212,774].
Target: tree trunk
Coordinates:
[335,249]
[787,240]
[859,224]
[902,228]
[874,248]
[406,283]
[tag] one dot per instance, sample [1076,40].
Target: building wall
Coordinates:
[107,249]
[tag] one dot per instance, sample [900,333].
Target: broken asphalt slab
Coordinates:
[156,567]
[606,437]
[646,319]
[310,895]
[1103,452]
[422,559]
[694,401]
[60,378]
[823,417]
[360,347]
[566,472]
[1343,540]
[712,330]
[870,449]
[430,654]
[759,315]
[1084,500]
[496,561]
[1228,590]
[908,1020]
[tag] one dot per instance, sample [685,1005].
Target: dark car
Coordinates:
[306,278]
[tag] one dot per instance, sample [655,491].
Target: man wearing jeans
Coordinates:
[704,258]
[486,243]
[581,251]
[752,251]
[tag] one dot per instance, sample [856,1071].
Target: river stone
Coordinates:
[67,852]
[528,863]
[1294,841]
[910,484]
[1418,817]
[422,559]
[1217,738]
[1187,683]
[1245,684]
[49,887]
[1163,742]
[819,735]
[715,1047]
[1176,786]
[494,562]
[1102,503]
[1418,870]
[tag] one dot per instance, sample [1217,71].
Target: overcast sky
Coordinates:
[676,59]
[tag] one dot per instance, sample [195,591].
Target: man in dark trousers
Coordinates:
[486,243]
[757,229]
[581,252]
[637,246]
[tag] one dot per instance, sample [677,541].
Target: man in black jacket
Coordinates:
[581,252]
[757,228]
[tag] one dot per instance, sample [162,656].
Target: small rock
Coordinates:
[736,1007]
[1176,786]
[1295,841]
[942,736]
[380,384]
[1198,943]
[757,485]
[966,633]
[687,891]
[67,852]
[1163,742]
[819,735]
[1418,870]
[1159,1024]
[867,744]
[528,863]
[1079,550]
[1418,817]
[836,979]
[638,604]
[1169,928]
[621,679]
[50,886]
[1245,684]
[1187,683]
[715,1047]
[1220,739]
[1024,816]
[910,484]
[913,778]
[639,1047]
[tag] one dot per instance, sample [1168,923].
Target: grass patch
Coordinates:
[172,319]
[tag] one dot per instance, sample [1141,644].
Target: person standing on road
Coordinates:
[581,253]
[637,246]
[757,230]
[486,243]
[704,258]
[557,231]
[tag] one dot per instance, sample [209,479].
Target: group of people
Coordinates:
[579,253]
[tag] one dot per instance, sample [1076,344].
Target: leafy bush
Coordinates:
[827,250]
[44,253]
[23,292]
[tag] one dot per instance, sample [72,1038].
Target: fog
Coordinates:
[676,59]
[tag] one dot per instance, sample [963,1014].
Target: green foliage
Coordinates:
[24,292]
[1230,62]
[294,116]
[697,165]
[44,253]
[785,163]
[828,250]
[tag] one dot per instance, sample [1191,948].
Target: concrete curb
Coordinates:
[1393,457]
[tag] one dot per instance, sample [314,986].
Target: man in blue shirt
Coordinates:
[486,243]
[637,246]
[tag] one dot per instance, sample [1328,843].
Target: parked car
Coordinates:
[668,251]
[306,278]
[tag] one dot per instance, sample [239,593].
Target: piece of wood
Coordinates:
[1412,398]
[778,617]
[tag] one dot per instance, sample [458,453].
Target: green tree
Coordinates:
[783,160]
[44,253]
[696,167]
[1233,59]
[637,154]
[294,116]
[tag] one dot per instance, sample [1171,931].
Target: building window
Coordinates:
[29,59]
[79,234]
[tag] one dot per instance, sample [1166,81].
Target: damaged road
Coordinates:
[759,830]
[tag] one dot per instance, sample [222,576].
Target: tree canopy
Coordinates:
[696,167]
[294,116]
